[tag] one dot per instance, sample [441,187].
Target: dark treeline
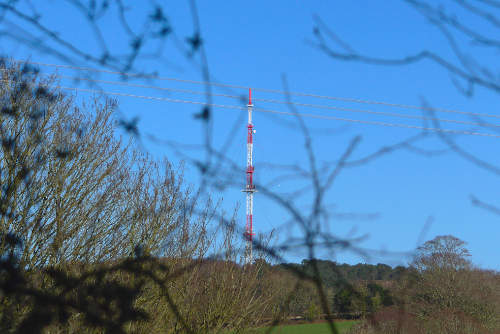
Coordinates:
[332,272]
[352,291]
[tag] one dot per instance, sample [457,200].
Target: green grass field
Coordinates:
[322,328]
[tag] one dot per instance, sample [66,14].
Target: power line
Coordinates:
[382,113]
[282,112]
[265,90]
[316,106]
[407,126]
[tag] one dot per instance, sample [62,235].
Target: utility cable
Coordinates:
[472,133]
[315,106]
[265,90]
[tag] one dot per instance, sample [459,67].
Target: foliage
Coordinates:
[351,290]
[351,301]
[442,293]
[135,295]
[332,274]
[313,312]
[446,282]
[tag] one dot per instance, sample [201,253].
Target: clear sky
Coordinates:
[254,44]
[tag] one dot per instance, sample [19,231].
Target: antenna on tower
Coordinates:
[249,188]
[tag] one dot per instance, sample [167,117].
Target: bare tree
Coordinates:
[442,252]
[90,196]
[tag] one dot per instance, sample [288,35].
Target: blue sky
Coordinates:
[256,43]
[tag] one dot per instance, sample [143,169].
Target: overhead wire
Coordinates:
[308,105]
[265,90]
[297,114]
[387,124]
[315,106]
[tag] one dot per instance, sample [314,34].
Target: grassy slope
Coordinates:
[322,328]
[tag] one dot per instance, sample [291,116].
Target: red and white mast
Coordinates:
[250,188]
